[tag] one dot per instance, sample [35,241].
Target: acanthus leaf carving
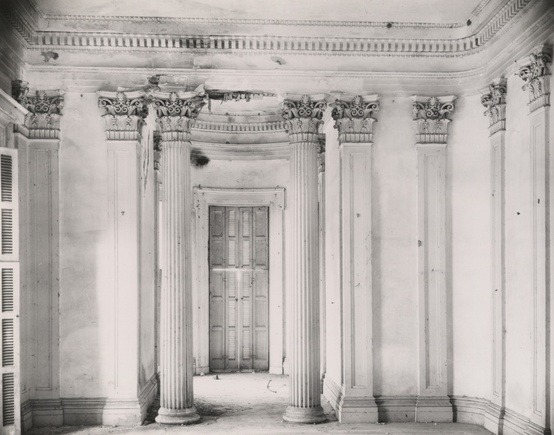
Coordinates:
[124,114]
[45,111]
[495,103]
[303,118]
[431,116]
[176,113]
[535,73]
[353,118]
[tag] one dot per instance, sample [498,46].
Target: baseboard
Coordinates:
[26,416]
[398,409]
[47,412]
[434,409]
[357,410]
[331,392]
[147,395]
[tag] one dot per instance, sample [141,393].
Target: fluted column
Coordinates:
[303,118]
[354,121]
[175,114]
[494,99]
[431,120]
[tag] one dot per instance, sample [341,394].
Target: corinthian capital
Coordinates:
[124,114]
[495,102]
[431,116]
[45,111]
[534,72]
[176,113]
[353,118]
[303,118]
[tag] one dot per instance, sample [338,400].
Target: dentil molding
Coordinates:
[353,118]
[535,73]
[431,116]
[495,102]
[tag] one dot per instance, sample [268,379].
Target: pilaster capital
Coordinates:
[534,71]
[176,113]
[124,114]
[353,118]
[44,111]
[303,117]
[494,99]
[431,117]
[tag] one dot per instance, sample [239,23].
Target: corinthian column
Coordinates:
[175,113]
[494,99]
[431,119]
[302,120]
[354,121]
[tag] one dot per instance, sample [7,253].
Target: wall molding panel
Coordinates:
[430,116]
[495,102]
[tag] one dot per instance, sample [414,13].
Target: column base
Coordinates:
[177,416]
[434,410]
[295,414]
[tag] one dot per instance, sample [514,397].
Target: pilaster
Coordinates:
[535,72]
[354,122]
[321,215]
[431,118]
[494,100]
[38,143]
[124,115]
[175,114]
[302,121]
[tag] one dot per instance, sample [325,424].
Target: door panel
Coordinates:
[239,282]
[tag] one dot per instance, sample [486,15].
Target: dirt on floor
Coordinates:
[253,403]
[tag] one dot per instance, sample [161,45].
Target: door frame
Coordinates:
[204,197]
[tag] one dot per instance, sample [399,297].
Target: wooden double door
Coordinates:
[239,282]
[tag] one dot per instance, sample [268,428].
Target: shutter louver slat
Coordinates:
[8,399]
[7,231]
[6,177]
[7,343]
[7,290]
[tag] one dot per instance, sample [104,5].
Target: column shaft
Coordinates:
[303,303]
[176,399]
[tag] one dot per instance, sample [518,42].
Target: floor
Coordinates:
[253,403]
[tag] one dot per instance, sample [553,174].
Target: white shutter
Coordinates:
[10,417]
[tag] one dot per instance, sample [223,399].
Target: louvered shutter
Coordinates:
[10,417]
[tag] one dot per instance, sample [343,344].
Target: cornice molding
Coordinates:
[495,102]
[431,117]
[239,127]
[535,73]
[106,41]
[44,111]
[124,114]
[176,112]
[303,117]
[353,118]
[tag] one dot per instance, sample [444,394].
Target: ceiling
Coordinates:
[414,11]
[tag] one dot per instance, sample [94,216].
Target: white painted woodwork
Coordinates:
[176,360]
[494,416]
[540,282]
[433,402]
[10,349]
[357,403]
[239,289]
[123,214]
[303,296]
[275,200]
